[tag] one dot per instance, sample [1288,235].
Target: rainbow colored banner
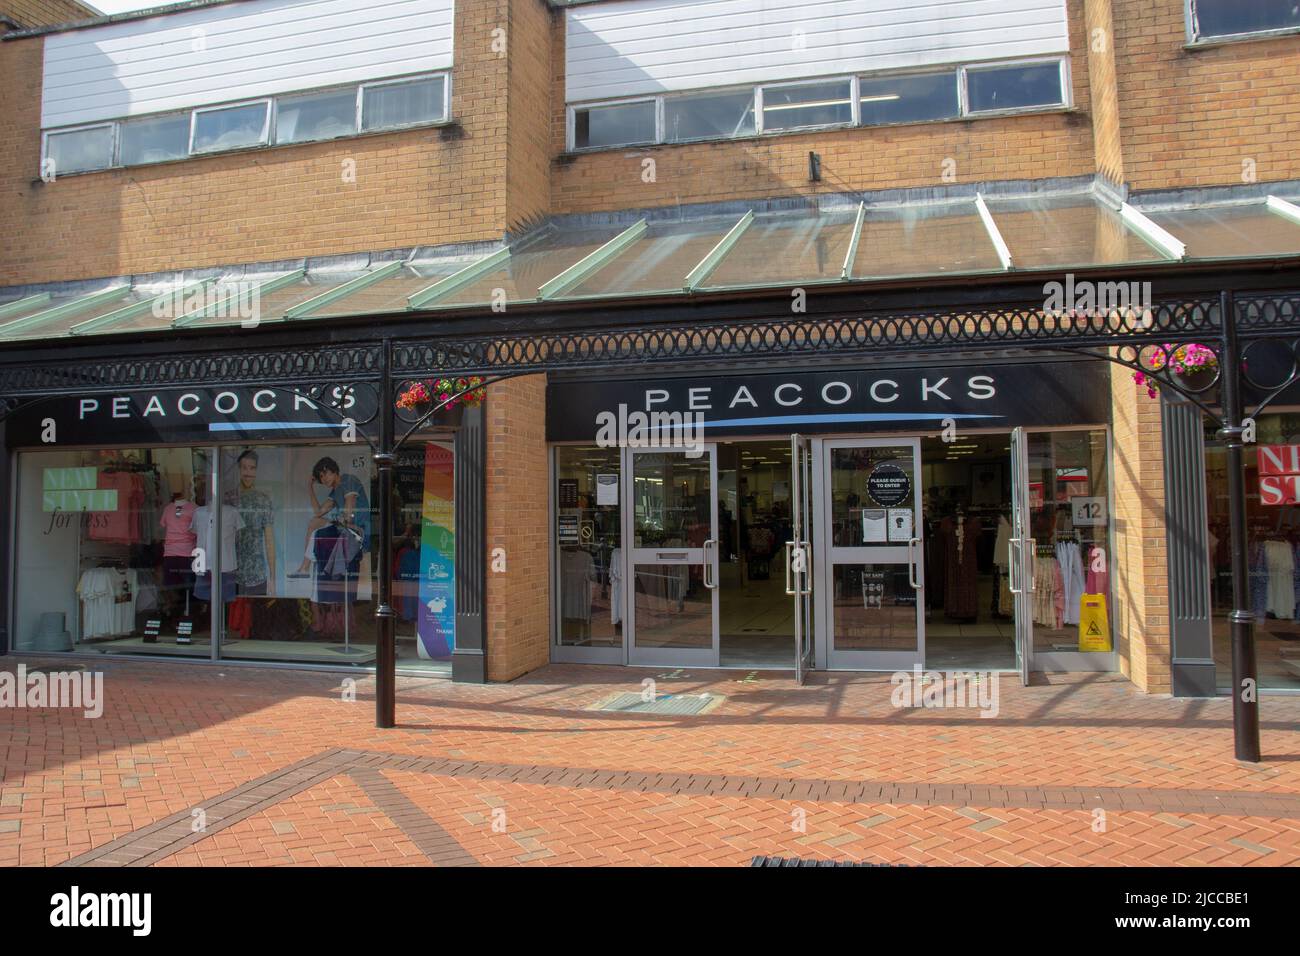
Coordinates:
[437,620]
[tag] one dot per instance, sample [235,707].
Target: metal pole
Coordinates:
[1245,679]
[386,649]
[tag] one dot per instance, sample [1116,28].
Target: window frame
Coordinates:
[759,95]
[571,124]
[663,98]
[955,70]
[267,123]
[126,120]
[1196,39]
[397,81]
[1062,61]
[1067,89]
[113,146]
[356,113]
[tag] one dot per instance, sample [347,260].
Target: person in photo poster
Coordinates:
[346,505]
[255,545]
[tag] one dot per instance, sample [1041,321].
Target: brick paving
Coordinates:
[239,766]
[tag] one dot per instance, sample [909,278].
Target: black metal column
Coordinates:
[386,640]
[1245,678]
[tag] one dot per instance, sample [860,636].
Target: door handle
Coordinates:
[1013,545]
[1033,552]
[911,563]
[789,588]
[669,555]
[806,588]
[710,580]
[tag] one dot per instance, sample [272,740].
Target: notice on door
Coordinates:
[900,524]
[873,590]
[874,526]
[607,489]
[888,485]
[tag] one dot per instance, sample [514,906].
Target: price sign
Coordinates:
[1088,512]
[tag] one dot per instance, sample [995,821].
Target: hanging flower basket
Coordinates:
[1195,365]
[451,396]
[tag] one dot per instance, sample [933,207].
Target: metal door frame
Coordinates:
[912,554]
[705,557]
[799,564]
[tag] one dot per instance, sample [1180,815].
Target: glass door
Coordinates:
[875,561]
[1021,551]
[673,572]
[798,554]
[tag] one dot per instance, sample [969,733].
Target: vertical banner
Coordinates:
[437,621]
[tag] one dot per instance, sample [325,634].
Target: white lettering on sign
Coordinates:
[876,397]
[781,401]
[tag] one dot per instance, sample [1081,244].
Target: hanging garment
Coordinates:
[577,575]
[1002,544]
[1072,579]
[177,522]
[960,586]
[239,618]
[936,564]
[1049,592]
[1280,561]
[616,587]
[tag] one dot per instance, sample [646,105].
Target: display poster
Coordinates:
[607,489]
[566,527]
[284,496]
[874,527]
[566,493]
[437,612]
[873,590]
[900,524]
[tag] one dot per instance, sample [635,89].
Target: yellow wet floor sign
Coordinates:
[1094,626]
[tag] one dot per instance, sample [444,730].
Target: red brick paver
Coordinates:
[279,769]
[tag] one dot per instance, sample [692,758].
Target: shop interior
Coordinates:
[1273,535]
[116,546]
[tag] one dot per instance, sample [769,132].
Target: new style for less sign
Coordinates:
[1279,474]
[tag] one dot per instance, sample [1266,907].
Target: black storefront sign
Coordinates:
[839,400]
[189,416]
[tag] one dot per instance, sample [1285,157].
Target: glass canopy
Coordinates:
[687,256]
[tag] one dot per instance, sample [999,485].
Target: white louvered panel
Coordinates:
[237,51]
[648,46]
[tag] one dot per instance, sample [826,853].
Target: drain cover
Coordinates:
[681,705]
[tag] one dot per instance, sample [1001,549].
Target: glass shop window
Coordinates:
[588,546]
[106,545]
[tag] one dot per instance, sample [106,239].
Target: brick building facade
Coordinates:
[1148,108]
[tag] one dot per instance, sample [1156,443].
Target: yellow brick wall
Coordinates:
[528,173]
[518,600]
[1195,117]
[41,13]
[1141,582]
[1100,39]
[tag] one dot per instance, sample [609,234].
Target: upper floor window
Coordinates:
[1213,19]
[876,100]
[289,118]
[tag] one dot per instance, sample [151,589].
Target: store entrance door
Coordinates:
[872,587]
[673,571]
[798,554]
[1020,556]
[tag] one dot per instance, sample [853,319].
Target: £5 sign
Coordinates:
[1279,474]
